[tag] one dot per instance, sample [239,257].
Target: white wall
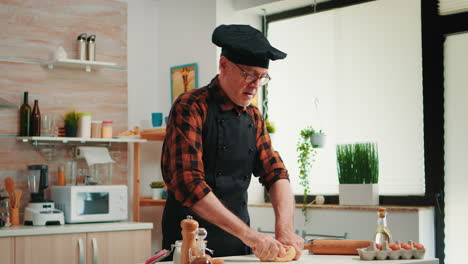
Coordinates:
[161,34]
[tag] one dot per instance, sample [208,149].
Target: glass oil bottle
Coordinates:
[382,233]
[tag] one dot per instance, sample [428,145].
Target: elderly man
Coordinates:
[215,141]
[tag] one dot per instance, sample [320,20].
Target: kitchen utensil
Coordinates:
[10,187]
[14,216]
[336,247]
[18,198]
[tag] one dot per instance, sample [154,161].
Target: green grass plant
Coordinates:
[358,163]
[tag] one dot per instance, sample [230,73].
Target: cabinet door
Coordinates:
[51,249]
[7,250]
[119,247]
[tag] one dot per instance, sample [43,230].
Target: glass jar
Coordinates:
[106,129]
[177,252]
[96,127]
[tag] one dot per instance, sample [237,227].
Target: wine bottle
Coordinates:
[25,117]
[36,120]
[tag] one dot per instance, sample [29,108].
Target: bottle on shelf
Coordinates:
[25,117]
[382,233]
[36,120]
[84,125]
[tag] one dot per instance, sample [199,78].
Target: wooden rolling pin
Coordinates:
[336,247]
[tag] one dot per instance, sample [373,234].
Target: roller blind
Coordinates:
[356,73]
[447,7]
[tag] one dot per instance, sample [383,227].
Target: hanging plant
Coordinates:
[270,127]
[306,157]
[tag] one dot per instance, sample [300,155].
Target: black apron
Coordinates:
[229,152]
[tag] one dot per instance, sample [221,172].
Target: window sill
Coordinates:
[390,208]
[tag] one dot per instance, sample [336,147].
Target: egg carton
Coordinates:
[372,253]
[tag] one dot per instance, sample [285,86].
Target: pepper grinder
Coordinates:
[189,228]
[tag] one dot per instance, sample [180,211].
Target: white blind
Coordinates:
[447,7]
[456,146]
[356,73]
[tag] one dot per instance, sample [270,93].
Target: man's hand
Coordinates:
[292,239]
[264,246]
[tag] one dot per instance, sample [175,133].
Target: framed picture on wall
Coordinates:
[183,78]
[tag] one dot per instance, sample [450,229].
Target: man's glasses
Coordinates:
[250,78]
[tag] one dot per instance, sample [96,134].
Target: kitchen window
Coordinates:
[356,73]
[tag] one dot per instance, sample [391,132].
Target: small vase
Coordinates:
[318,140]
[71,131]
[157,193]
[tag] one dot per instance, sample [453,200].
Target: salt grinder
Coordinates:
[82,46]
[189,228]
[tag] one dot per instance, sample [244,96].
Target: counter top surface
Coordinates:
[328,259]
[72,228]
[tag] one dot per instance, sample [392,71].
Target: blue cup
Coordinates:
[156,119]
[166,118]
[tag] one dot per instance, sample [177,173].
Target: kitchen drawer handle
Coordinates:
[80,247]
[95,250]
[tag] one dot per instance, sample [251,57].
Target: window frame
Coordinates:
[432,103]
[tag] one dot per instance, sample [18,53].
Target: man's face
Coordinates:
[233,81]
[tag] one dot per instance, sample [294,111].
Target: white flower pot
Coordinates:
[318,140]
[157,193]
[359,194]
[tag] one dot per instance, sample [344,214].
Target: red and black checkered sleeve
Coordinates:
[269,166]
[181,160]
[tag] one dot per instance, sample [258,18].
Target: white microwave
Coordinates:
[91,203]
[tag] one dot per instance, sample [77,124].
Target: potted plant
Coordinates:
[306,156]
[270,127]
[317,138]
[157,187]
[358,173]
[71,123]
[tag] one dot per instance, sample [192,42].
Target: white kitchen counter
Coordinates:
[327,259]
[72,228]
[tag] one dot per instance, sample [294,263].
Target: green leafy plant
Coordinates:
[71,119]
[358,163]
[157,184]
[306,156]
[270,127]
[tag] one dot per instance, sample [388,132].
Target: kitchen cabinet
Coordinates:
[117,247]
[7,250]
[51,249]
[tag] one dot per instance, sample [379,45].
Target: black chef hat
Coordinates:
[245,45]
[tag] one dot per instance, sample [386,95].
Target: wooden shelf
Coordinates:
[148,201]
[156,134]
[80,140]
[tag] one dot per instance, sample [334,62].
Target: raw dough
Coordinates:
[290,254]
